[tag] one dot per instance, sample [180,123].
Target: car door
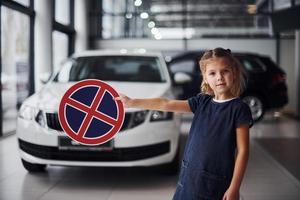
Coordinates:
[190,67]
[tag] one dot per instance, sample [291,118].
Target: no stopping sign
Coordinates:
[89,114]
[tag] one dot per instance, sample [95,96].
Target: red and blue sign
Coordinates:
[89,113]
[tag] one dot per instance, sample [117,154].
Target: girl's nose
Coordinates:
[219,76]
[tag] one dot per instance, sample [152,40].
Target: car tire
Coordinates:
[172,168]
[256,105]
[33,167]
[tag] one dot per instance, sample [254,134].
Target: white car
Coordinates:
[147,138]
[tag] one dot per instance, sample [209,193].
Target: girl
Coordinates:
[211,167]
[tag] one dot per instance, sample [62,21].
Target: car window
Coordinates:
[182,66]
[112,68]
[268,62]
[252,65]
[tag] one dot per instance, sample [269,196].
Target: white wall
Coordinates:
[140,43]
[297,71]
[263,46]
[287,62]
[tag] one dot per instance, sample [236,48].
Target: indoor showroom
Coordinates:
[150,99]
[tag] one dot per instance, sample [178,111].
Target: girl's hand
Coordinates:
[231,195]
[125,100]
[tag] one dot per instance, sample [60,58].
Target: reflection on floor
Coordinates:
[9,121]
[281,150]
[266,178]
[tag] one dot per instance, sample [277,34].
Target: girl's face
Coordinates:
[219,76]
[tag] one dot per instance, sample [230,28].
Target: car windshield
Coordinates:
[252,65]
[112,68]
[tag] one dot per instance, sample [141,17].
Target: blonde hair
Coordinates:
[238,73]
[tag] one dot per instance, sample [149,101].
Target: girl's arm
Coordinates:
[242,139]
[161,104]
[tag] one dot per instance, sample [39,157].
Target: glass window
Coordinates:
[268,62]
[121,19]
[112,68]
[183,66]
[15,64]
[252,65]
[62,11]
[115,6]
[60,49]
[113,26]
[166,19]
[107,27]
[281,4]
[23,2]
[107,5]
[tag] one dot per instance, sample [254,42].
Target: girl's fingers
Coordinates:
[117,98]
[123,98]
[120,97]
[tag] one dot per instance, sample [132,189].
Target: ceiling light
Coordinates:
[128,15]
[138,3]
[144,15]
[151,24]
[154,31]
[157,36]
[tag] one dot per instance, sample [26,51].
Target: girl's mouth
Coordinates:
[221,84]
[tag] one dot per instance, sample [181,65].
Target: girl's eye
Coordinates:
[212,73]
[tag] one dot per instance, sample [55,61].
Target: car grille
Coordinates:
[53,121]
[117,154]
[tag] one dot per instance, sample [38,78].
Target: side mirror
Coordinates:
[181,77]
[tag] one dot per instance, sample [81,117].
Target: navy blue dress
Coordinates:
[209,157]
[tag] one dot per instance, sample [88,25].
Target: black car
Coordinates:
[265,82]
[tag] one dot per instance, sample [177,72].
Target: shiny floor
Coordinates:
[268,177]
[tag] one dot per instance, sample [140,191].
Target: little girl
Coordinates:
[217,149]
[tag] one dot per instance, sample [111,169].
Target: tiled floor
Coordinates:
[266,178]
[281,149]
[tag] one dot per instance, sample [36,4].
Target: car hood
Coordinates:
[49,97]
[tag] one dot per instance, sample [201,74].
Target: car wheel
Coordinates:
[256,106]
[33,167]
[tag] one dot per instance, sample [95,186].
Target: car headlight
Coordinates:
[27,112]
[160,116]
[40,118]
[138,118]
